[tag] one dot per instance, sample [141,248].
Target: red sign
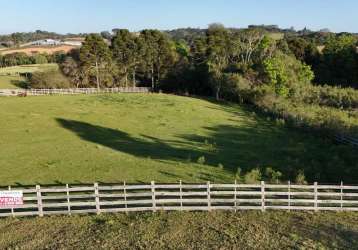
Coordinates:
[11,199]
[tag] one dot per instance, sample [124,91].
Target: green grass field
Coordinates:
[144,137]
[11,82]
[139,138]
[215,230]
[10,79]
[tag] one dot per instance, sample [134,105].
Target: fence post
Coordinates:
[235,196]
[96,193]
[153,196]
[181,195]
[263,196]
[39,200]
[125,197]
[68,199]
[341,195]
[208,195]
[12,209]
[315,197]
[289,196]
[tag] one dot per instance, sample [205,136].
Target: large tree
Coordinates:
[124,49]
[158,54]
[218,53]
[74,72]
[250,40]
[137,60]
[151,52]
[340,62]
[95,56]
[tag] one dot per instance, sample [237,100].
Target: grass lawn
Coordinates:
[139,138]
[10,79]
[216,230]
[11,82]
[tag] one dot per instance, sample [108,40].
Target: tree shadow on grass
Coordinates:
[149,147]
[20,84]
[247,147]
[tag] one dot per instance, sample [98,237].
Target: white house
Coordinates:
[46,42]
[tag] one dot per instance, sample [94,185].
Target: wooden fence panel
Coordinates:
[39,92]
[40,201]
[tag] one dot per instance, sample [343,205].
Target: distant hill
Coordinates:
[187,34]
[20,38]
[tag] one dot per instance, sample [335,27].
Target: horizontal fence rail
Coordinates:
[346,140]
[40,201]
[73,91]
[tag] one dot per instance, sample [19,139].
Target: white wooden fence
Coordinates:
[182,197]
[73,91]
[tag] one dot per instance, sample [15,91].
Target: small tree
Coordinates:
[285,73]
[74,72]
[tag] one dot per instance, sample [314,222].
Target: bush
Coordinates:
[236,88]
[301,178]
[238,176]
[285,73]
[272,175]
[49,80]
[342,98]
[201,160]
[40,59]
[324,119]
[252,177]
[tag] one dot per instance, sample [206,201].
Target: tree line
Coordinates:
[334,62]
[17,38]
[129,60]
[21,58]
[152,58]
[286,77]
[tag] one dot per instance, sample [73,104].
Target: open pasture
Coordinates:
[141,137]
[10,78]
[39,49]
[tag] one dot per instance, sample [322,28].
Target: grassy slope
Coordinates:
[10,82]
[222,230]
[111,138]
[8,79]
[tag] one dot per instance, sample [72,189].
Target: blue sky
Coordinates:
[97,15]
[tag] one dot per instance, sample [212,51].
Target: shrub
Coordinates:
[301,178]
[284,73]
[254,176]
[238,176]
[49,79]
[201,160]
[272,175]
[336,97]
[40,59]
[236,88]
